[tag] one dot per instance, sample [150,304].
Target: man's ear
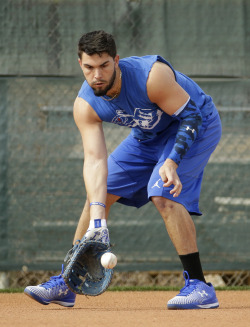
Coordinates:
[116,59]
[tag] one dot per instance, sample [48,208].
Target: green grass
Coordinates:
[12,290]
[233,288]
[142,289]
[167,288]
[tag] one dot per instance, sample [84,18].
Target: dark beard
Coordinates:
[100,93]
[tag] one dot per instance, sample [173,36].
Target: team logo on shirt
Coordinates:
[143,118]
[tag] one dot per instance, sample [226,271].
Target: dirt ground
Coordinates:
[120,309]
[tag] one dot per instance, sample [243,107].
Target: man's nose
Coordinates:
[98,74]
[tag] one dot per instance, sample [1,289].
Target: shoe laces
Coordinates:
[54,281]
[190,285]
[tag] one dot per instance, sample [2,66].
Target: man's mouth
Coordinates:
[98,84]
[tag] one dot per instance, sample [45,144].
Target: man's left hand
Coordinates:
[170,177]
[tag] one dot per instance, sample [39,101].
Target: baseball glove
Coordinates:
[84,273]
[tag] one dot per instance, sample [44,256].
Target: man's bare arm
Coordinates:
[95,169]
[174,100]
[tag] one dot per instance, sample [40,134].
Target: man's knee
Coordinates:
[168,208]
[163,204]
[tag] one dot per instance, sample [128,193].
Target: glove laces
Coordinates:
[71,251]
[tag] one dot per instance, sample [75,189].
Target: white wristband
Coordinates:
[97,223]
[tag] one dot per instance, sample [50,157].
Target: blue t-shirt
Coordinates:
[132,108]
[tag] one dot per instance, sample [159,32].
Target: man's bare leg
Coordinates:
[179,225]
[83,223]
[181,230]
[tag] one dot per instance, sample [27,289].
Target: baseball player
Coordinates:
[174,129]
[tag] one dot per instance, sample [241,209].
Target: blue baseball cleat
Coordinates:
[53,291]
[194,295]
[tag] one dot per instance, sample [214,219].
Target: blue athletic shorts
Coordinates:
[133,168]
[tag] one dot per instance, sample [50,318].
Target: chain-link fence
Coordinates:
[41,186]
[21,279]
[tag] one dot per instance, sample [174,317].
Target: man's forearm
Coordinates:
[95,178]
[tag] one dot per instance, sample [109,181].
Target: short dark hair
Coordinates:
[97,42]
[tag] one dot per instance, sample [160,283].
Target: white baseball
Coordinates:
[108,260]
